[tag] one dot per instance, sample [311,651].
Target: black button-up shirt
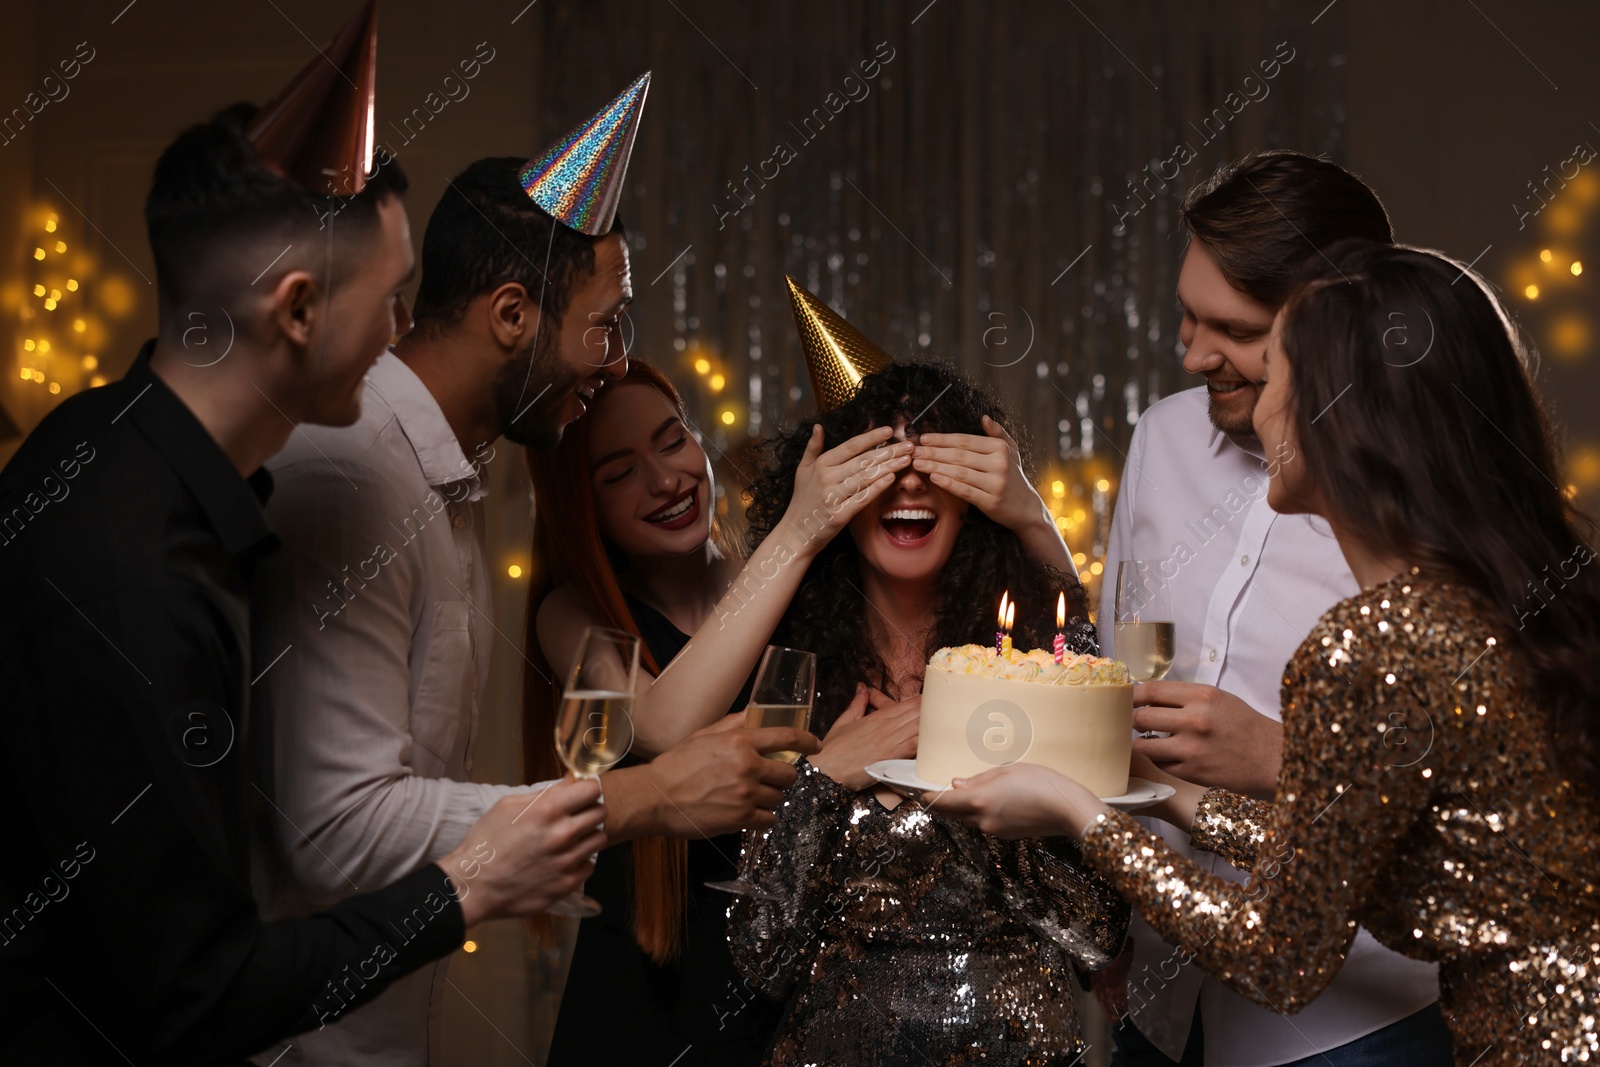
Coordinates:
[128,932]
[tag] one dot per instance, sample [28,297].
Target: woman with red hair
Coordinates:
[626,536]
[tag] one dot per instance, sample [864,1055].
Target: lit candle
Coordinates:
[1000,637]
[1061,625]
[1005,641]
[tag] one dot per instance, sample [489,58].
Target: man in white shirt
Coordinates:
[1246,586]
[377,610]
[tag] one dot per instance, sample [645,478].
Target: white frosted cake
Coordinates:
[981,710]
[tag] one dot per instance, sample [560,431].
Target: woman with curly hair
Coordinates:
[891,934]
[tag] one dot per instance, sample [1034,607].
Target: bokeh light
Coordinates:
[1568,336]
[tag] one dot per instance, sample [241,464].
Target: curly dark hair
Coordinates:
[828,614]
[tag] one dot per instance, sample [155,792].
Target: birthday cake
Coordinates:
[983,709]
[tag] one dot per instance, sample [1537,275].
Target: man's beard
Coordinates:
[1233,423]
[1227,416]
[529,393]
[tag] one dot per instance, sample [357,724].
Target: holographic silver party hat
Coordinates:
[578,180]
[318,130]
[837,354]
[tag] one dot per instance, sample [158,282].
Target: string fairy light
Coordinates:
[55,349]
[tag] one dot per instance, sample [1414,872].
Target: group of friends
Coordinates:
[244,661]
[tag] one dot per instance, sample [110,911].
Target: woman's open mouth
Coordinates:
[909,527]
[681,511]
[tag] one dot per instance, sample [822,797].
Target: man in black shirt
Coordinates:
[130,522]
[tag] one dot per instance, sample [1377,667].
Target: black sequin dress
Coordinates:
[905,938]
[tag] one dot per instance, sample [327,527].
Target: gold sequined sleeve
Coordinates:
[1231,826]
[771,939]
[1342,806]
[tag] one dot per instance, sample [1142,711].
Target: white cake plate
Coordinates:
[901,776]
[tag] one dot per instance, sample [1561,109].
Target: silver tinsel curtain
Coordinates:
[994,184]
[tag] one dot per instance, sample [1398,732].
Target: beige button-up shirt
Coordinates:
[372,642]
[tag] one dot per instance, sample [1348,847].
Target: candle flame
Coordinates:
[1005,599]
[1061,611]
[1011,614]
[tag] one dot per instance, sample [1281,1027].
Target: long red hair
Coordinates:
[569,550]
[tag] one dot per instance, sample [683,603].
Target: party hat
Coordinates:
[837,354]
[578,180]
[318,131]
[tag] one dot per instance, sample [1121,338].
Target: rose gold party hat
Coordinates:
[837,354]
[578,180]
[318,131]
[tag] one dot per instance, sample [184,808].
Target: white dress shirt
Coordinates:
[1247,585]
[372,639]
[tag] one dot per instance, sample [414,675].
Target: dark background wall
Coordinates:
[1454,109]
[961,201]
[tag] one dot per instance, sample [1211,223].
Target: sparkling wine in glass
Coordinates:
[797,716]
[594,728]
[784,689]
[1144,627]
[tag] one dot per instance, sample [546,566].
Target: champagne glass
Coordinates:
[1145,631]
[784,689]
[594,728]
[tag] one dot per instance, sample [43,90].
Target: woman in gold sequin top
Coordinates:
[898,936]
[1439,767]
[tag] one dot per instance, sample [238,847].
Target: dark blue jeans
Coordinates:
[1419,1040]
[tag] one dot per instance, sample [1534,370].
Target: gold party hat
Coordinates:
[837,354]
[318,130]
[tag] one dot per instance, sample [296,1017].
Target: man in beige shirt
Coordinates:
[379,602]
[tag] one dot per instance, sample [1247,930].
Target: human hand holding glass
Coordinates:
[594,728]
[783,693]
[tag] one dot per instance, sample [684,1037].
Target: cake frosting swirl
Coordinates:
[1038,665]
